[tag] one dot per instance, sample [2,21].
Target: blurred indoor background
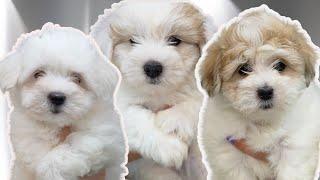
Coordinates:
[20,16]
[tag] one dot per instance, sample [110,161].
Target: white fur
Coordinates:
[293,147]
[167,137]
[289,132]
[96,140]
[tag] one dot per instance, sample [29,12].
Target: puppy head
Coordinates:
[156,44]
[57,75]
[260,62]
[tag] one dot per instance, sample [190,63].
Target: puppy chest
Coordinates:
[265,139]
[156,104]
[37,139]
[257,150]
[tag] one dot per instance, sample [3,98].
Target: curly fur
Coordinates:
[39,153]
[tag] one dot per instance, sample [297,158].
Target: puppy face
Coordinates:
[259,63]
[56,94]
[156,44]
[57,75]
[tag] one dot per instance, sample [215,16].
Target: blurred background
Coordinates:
[21,16]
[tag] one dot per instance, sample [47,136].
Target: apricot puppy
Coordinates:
[255,71]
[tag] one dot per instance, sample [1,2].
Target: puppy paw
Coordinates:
[175,123]
[61,165]
[171,153]
[49,172]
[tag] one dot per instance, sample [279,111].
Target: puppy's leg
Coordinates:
[181,119]
[115,172]
[298,164]
[63,163]
[193,167]
[144,169]
[229,164]
[235,175]
[86,150]
[149,141]
[20,172]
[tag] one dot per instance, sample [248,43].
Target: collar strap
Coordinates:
[64,133]
[132,156]
[242,146]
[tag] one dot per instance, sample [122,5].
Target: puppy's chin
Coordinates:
[266,105]
[261,109]
[155,82]
[159,86]
[57,117]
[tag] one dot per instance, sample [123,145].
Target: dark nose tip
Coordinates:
[265,93]
[153,69]
[57,98]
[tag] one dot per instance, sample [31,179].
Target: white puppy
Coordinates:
[256,124]
[156,45]
[56,78]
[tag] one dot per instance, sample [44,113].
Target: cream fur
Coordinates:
[168,137]
[96,141]
[289,130]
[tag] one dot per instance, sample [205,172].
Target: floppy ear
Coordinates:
[310,52]
[100,32]
[106,78]
[311,57]
[210,70]
[9,72]
[210,28]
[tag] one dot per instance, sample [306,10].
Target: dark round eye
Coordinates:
[245,69]
[173,41]
[76,77]
[38,73]
[133,42]
[280,66]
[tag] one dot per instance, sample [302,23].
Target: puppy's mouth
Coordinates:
[155,81]
[265,105]
[55,110]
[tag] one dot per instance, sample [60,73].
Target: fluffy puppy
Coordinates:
[254,71]
[56,78]
[155,45]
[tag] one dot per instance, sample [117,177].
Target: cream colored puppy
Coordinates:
[156,45]
[259,121]
[57,77]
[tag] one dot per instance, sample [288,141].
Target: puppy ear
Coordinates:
[9,72]
[100,32]
[310,64]
[304,45]
[210,70]
[106,78]
[210,28]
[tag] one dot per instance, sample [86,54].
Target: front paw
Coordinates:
[61,165]
[171,153]
[51,171]
[176,124]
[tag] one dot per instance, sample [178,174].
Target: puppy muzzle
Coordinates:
[56,99]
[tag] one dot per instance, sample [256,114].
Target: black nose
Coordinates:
[153,69]
[57,98]
[265,93]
